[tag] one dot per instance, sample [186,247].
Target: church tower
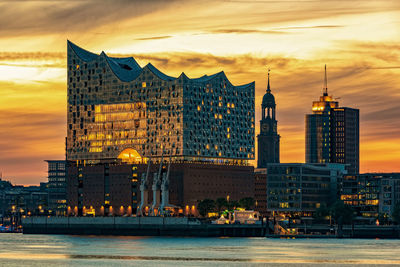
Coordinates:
[268,139]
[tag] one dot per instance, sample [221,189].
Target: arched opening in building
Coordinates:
[130,155]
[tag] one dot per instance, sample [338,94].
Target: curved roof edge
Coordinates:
[82,53]
[246,85]
[158,73]
[127,69]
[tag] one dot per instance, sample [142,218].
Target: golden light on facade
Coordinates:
[130,155]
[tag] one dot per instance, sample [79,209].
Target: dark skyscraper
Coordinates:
[332,133]
[268,139]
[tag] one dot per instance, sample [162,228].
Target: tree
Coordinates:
[220,203]
[205,206]
[322,212]
[342,213]
[396,213]
[232,204]
[383,218]
[246,203]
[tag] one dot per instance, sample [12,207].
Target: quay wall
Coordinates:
[136,226]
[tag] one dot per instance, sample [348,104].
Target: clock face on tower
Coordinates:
[265,127]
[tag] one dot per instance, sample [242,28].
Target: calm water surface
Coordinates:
[58,250]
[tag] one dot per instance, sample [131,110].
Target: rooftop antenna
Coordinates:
[325,83]
[268,86]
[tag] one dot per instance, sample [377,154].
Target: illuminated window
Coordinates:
[77,67]
[144,84]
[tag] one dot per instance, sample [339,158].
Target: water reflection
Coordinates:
[26,250]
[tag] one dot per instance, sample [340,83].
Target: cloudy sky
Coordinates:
[359,40]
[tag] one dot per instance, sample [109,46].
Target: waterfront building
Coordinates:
[389,196]
[117,109]
[122,116]
[112,188]
[298,189]
[57,186]
[268,139]
[17,200]
[260,191]
[332,133]
[371,194]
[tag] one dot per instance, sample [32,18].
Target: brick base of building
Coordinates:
[110,188]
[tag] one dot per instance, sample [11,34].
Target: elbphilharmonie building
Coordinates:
[118,109]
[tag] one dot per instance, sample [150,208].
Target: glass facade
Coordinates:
[297,187]
[332,134]
[57,187]
[114,105]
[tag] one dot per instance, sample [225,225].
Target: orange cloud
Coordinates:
[359,43]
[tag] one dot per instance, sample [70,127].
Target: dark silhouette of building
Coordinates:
[268,139]
[260,191]
[332,133]
[17,201]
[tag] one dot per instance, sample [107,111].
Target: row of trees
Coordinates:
[208,205]
[341,213]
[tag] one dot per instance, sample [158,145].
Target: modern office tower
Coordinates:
[57,186]
[268,139]
[332,133]
[300,188]
[117,109]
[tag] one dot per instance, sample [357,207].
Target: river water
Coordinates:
[59,250]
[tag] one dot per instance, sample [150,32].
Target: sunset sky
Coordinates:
[359,40]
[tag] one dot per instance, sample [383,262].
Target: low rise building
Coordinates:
[114,188]
[260,191]
[371,194]
[298,189]
[17,200]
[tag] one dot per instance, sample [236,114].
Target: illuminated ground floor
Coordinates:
[114,189]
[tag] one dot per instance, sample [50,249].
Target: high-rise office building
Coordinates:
[117,109]
[332,133]
[268,139]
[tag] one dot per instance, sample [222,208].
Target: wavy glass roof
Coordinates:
[127,69]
